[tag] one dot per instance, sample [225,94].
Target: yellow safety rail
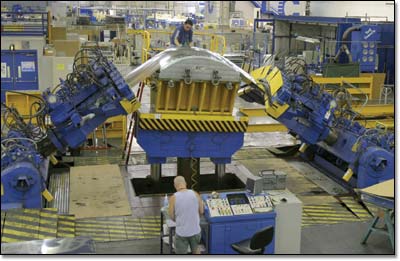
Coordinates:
[371,112]
[365,83]
[216,43]
[146,42]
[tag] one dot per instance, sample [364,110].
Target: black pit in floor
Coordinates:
[208,182]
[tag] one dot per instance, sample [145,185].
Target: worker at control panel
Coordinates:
[183,35]
[185,208]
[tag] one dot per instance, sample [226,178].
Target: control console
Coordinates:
[238,204]
[260,203]
[219,207]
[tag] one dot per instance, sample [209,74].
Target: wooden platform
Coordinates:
[97,191]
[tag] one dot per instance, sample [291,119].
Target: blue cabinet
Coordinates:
[19,71]
[223,235]
[226,230]
[364,47]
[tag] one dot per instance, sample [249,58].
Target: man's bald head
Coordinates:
[179,182]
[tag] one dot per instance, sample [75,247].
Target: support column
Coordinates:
[155,172]
[220,171]
[189,168]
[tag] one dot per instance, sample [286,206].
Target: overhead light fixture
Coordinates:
[308,39]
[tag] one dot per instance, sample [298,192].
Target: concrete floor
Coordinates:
[342,238]
[319,239]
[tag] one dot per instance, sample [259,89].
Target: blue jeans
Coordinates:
[182,243]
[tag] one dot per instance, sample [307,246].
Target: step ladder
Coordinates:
[131,129]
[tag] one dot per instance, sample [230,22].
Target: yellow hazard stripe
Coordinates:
[8,231]
[326,211]
[331,215]
[186,126]
[149,228]
[67,217]
[5,239]
[333,218]
[193,125]
[24,218]
[98,226]
[31,227]
[322,207]
[66,229]
[48,215]
[159,124]
[65,235]
[68,223]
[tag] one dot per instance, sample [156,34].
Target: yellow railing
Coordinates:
[365,83]
[145,44]
[215,43]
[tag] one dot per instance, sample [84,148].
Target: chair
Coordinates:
[256,244]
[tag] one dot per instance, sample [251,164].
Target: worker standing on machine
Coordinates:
[183,35]
[185,208]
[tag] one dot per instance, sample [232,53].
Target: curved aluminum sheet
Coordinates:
[162,60]
[76,245]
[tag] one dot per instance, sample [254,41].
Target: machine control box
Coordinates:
[238,204]
[219,207]
[261,203]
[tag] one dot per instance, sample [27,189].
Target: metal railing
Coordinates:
[25,23]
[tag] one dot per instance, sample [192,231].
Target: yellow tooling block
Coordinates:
[201,123]
[199,97]
[275,82]
[261,72]
[130,106]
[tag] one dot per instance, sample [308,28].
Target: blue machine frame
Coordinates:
[218,146]
[93,92]
[363,157]
[22,180]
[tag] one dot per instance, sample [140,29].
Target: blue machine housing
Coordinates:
[364,47]
[372,161]
[311,113]
[78,109]
[331,138]
[23,173]
[369,153]
[162,144]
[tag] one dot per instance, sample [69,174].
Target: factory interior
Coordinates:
[198,127]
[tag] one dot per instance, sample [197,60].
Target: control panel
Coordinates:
[261,203]
[242,209]
[219,207]
[238,204]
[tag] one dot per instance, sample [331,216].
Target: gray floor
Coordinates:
[343,238]
[319,239]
